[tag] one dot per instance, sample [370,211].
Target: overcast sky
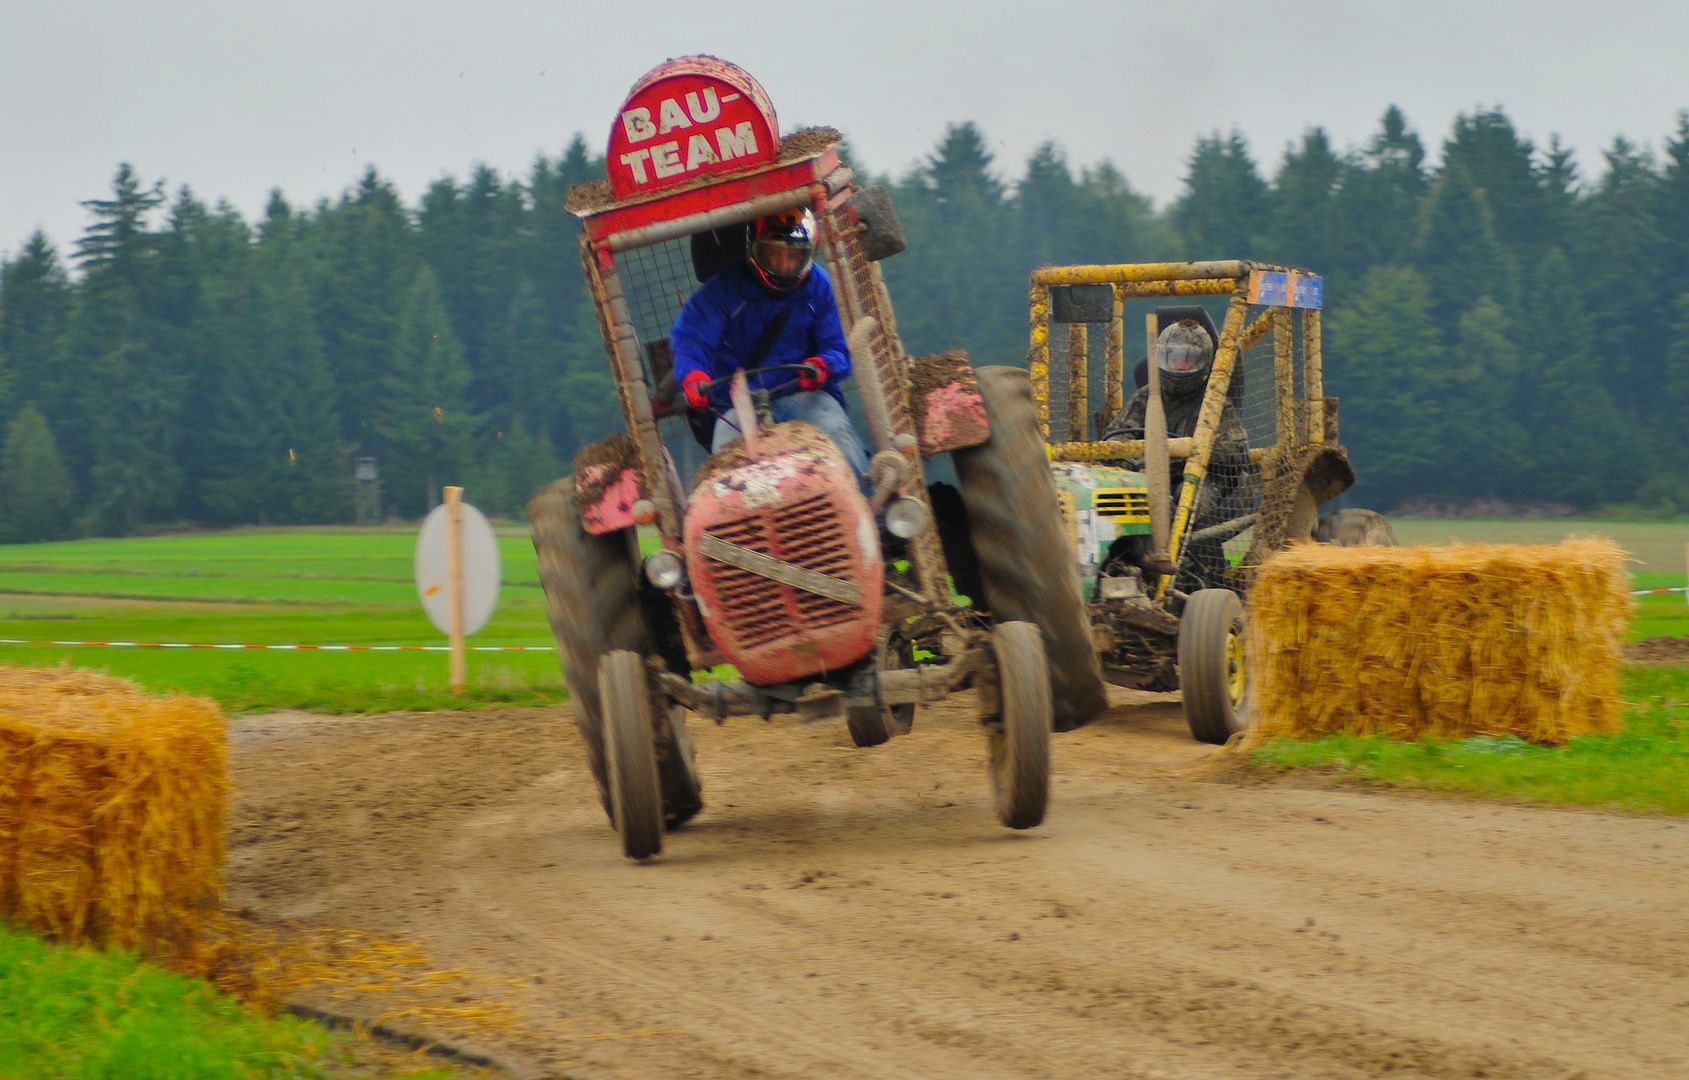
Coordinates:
[236,98]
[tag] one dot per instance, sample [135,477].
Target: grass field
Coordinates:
[354,586]
[274,587]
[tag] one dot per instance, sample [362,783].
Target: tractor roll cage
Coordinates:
[1299,423]
[808,172]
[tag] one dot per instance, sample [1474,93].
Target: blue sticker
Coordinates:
[1279,288]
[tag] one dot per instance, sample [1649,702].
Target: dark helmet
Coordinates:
[782,249]
[1185,354]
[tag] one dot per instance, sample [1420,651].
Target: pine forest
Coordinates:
[1505,325]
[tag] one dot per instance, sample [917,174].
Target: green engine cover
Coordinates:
[1099,503]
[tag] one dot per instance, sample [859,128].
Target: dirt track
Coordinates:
[858,913]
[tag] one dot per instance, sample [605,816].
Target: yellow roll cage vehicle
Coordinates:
[1167,570]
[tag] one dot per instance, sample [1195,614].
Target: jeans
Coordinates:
[814,406]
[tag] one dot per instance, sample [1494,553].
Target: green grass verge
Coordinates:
[82,1014]
[1645,767]
[78,1014]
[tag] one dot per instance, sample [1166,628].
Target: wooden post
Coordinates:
[1686,565]
[1155,445]
[454,581]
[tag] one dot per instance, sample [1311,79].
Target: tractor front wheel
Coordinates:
[630,750]
[1020,734]
[1212,671]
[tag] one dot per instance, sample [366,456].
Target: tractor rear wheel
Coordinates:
[1212,671]
[1020,734]
[630,745]
[595,604]
[1026,568]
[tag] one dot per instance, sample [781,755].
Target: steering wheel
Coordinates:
[782,390]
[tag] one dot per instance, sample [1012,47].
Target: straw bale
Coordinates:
[1440,642]
[112,805]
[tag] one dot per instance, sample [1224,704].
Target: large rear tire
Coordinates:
[594,603]
[1020,735]
[630,744]
[1212,672]
[1026,570]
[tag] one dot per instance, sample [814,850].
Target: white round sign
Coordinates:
[480,560]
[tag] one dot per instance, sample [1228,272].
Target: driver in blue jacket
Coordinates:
[776,307]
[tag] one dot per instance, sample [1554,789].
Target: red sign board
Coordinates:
[689,118]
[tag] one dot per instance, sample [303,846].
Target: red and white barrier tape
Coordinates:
[1651,592]
[280,648]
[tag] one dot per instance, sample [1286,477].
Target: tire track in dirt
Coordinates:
[848,912]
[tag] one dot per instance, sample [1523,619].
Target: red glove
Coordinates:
[696,387]
[814,377]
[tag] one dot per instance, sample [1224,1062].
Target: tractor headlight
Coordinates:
[905,517]
[665,570]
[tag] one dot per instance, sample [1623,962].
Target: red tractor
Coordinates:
[829,597]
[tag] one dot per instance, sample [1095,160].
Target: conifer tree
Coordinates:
[1304,203]
[1502,164]
[127,419]
[365,255]
[279,458]
[1672,211]
[425,422]
[1380,348]
[35,302]
[1580,451]
[1459,251]
[1631,309]
[36,496]
[961,266]
[1377,203]
[1226,208]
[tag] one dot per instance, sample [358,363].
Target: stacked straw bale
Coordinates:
[1439,642]
[111,810]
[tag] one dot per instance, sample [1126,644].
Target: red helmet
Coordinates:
[782,249]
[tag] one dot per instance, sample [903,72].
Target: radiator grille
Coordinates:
[1129,503]
[809,534]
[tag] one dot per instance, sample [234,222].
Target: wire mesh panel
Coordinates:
[1267,384]
[658,280]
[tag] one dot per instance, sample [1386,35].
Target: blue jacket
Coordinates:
[722,323]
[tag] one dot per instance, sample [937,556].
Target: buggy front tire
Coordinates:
[630,745]
[1213,673]
[1020,734]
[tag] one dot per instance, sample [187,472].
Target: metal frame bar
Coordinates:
[1078,382]
[1284,380]
[1114,362]
[1313,376]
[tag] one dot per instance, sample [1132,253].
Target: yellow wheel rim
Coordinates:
[1237,676]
